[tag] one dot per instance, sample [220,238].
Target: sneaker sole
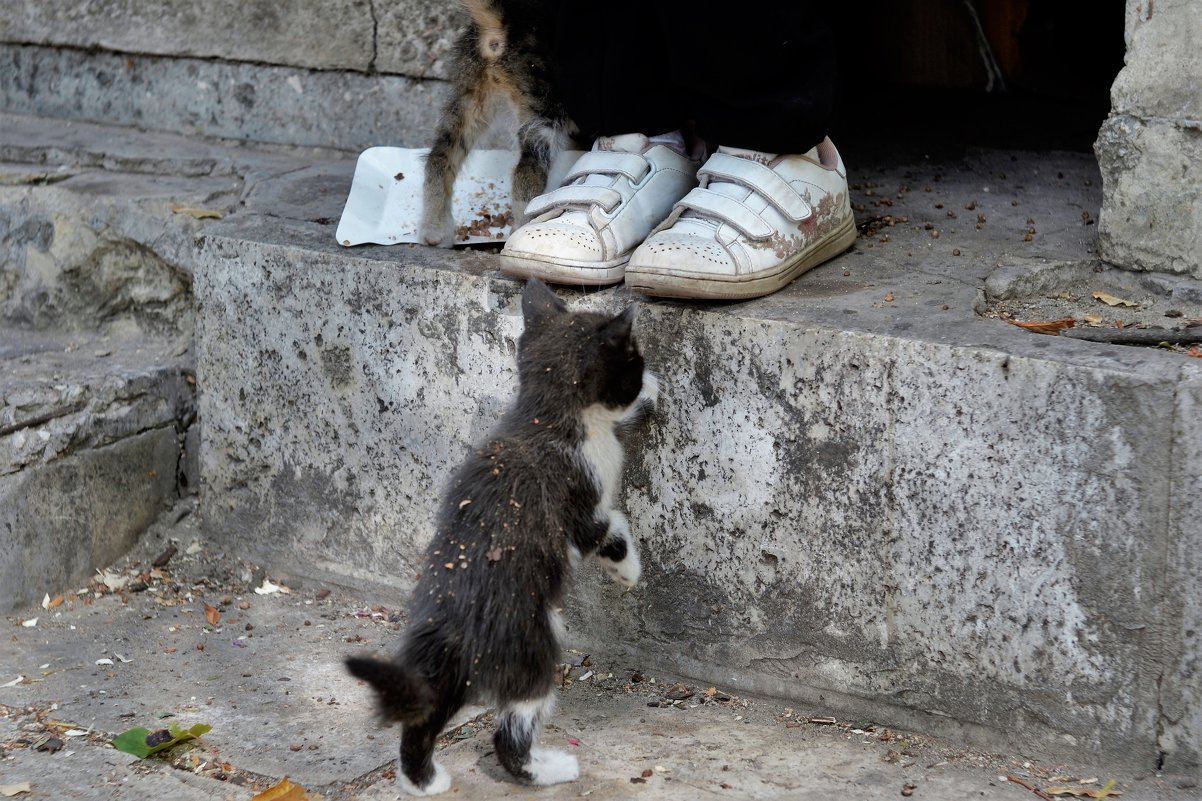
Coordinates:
[743,287]
[565,273]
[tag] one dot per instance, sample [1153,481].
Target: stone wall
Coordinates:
[349,74]
[1150,148]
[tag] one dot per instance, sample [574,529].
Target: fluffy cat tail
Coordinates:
[403,695]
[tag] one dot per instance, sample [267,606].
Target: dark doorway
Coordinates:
[938,76]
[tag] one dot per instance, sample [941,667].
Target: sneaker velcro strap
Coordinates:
[728,210]
[608,162]
[760,179]
[567,196]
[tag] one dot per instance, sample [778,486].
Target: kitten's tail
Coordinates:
[404,695]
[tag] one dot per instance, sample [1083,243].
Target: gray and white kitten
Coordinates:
[518,516]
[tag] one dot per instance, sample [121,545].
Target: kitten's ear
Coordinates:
[539,302]
[618,329]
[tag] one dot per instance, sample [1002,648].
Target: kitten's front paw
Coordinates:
[649,394]
[628,571]
[619,555]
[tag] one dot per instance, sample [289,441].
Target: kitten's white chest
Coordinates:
[601,450]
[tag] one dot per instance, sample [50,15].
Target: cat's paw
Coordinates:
[649,394]
[437,232]
[547,766]
[628,571]
[439,783]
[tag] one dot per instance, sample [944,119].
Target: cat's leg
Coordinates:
[465,117]
[418,773]
[539,139]
[619,553]
[519,725]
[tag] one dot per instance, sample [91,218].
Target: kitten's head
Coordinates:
[577,358]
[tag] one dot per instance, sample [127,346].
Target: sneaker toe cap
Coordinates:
[553,241]
[683,254]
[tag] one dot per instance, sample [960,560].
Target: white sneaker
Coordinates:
[755,223]
[585,231]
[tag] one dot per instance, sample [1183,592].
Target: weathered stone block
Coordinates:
[884,519]
[256,102]
[61,521]
[89,452]
[1152,209]
[414,37]
[125,264]
[1164,63]
[303,33]
[1181,697]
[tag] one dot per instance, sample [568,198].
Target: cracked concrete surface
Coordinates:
[267,676]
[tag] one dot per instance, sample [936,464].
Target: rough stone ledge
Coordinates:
[928,514]
[60,393]
[237,101]
[91,436]
[407,36]
[1144,225]
[98,233]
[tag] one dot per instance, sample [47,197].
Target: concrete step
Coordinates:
[97,385]
[93,445]
[865,490]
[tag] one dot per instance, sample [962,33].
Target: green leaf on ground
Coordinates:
[142,742]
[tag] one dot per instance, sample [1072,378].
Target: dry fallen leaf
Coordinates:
[286,791]
[213,615]
[889,298]
[1111,300]
[1094,320]
[200,214]
[1085,792]
[1053,327]
[9,790]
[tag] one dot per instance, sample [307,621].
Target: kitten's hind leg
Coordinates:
[539,139]
[518,728]
[619,553]
[465,118]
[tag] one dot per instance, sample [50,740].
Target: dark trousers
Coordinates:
[755,74]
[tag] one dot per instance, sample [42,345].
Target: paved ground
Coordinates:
[192,642]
